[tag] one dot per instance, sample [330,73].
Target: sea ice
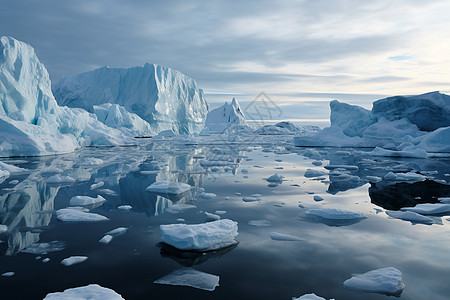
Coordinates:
[405,177]
[118,231]
[251,199]
[74,214]
[411,216]
[429,208]
[205,236]
[168,187]
[317,198]
[72,260]
[124,207]
[89,292]
[86,200]
[192,278]
[384,281]
[59,179]
[204,195]
[283,237]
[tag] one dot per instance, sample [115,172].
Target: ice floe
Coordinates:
[73,260]
[205,236]
[89,292]
[168,187]
[75,214]
[191,278]
[384,281]
[86,200]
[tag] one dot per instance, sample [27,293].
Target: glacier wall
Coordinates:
[165,98]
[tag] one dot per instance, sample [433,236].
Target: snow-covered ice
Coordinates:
[124,207]
[89,292]
[192,278]
[168,187]
[384,281]
[118,231]
[205,236]
[72,260]
[211,216]
[74,214]
[86,200]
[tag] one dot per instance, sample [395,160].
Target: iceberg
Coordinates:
[192,278]
[224,117]
[384,281]
[31,122]
[89,292]
[163,97]
[203,237]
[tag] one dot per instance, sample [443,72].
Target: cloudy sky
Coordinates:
[301,54]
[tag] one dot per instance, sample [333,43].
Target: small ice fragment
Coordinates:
[204,236]
[58,179]
[346,167]
[3,228]
[211,216]
[275,178]
[89,292]
[251,199]
[72,260]
[283,237]
[86,200]
[181,220]
[14,182]
[207,195]
[445,200]
[192,278]
[220,212]
[374,179]
[46,260]
[124,207]
[317,198]
[260,223]
[309,297]
[8,274]
[384,281]
[106,239]
[97,185]
[37,257]
[51,170]
[118,231]
[75,215]
[429,208]
[237,194]
[168,187]
[107,192]
[310,173]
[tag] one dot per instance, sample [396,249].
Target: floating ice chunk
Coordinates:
[59,179]
[283,237]
[168,187]
[406,177]
[76,215]
[310,173]
[409,216]
[46,260]
[14,182]
[124,207]
[89,292]
[429,208]
[85,200]
[3,228]
[97,185]
[309,297]
[118,231]
[205,236]
[107,192]
[220,212]
[336,214]
[211,216]
[317,198]
[384,281]
[44,248]
[8,274]
[72,260]
[178,208]
[251,199]
[106,239]
[192,278]
[207,195]
[51,170]
[275,178]
[260,223]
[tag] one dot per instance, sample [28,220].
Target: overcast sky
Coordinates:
[300,53]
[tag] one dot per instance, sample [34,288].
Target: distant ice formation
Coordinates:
[225,117]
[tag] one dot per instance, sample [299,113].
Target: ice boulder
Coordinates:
[165,98]
[384,281]
[428,111]
[203,237]
[221,118]
[116,116]
[89,292]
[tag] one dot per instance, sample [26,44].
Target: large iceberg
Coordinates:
[165,98]
[31,122]
[404,125]
[224,117]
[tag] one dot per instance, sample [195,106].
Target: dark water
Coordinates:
[258,267]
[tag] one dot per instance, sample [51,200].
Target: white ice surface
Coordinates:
[429,208]
[192,278]
[60,179]
[86,200]
[205,236]
[168,187]
[72,260]
[89,292]
[385,281]
[77,215]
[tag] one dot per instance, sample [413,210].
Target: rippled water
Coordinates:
[258,267]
